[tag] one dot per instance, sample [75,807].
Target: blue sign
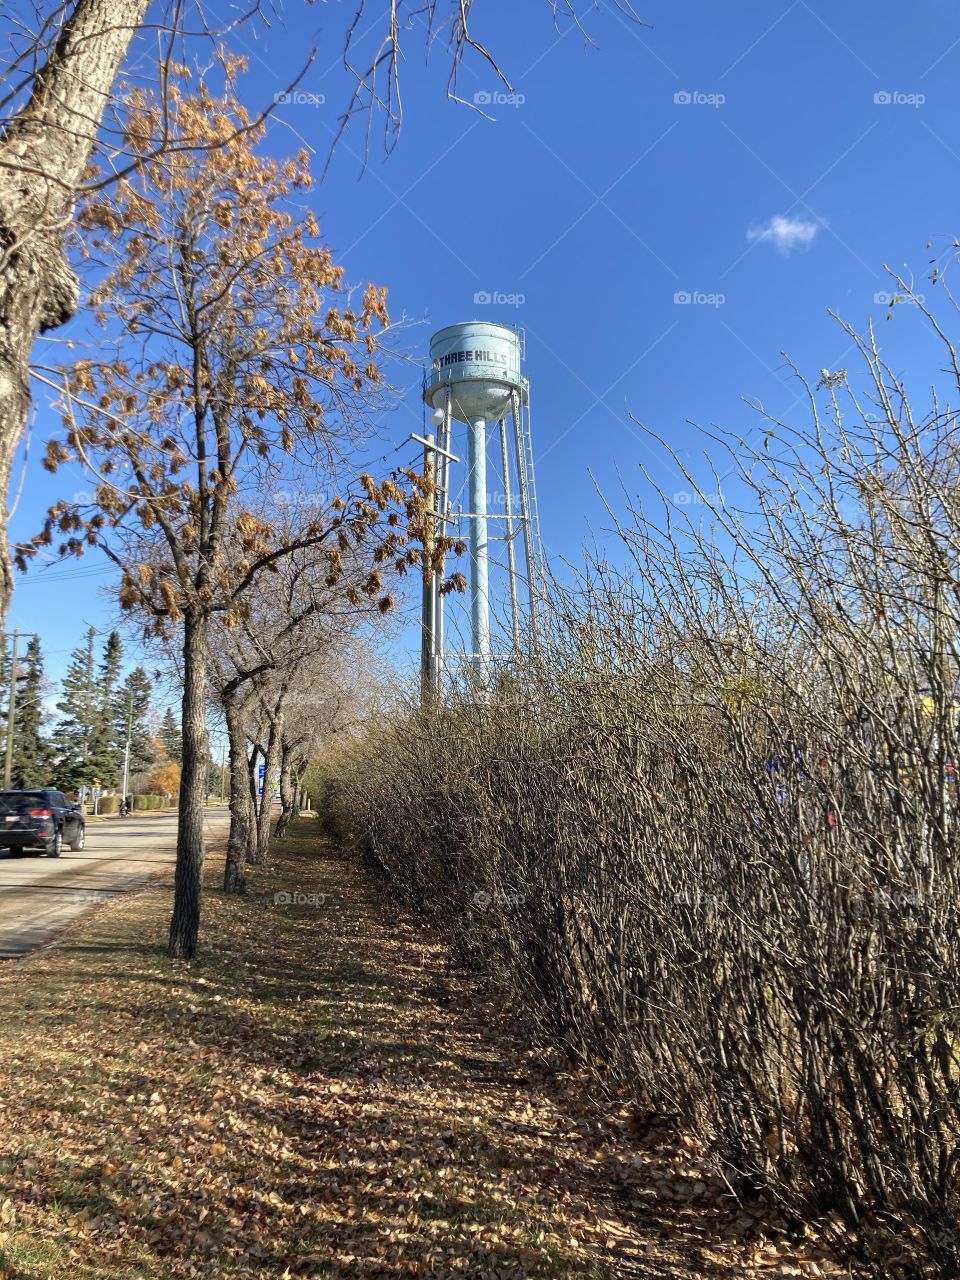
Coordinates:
[261,770]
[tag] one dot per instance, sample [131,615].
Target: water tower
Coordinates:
[476,379]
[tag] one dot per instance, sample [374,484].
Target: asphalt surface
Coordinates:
[40,896]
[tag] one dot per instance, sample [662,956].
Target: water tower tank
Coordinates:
[480,364]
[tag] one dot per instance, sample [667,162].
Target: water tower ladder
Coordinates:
[530,470]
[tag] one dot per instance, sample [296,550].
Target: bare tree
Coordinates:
[335,703]
[289,650]
[229,352]
[375,64]
[325,698]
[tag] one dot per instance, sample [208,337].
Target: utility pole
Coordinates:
[427,638]
[11,714]
[436,466]
[223,775]
[126,750]
[88,709]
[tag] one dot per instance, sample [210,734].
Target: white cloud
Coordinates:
[785,234]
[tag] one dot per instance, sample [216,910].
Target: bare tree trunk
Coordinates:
[257,852]
[43,154]
[271,761]
[241,811]
[288,793]
[255,752]
[185,924]
[298,793]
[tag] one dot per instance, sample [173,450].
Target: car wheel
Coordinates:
[55,846]
[77,844]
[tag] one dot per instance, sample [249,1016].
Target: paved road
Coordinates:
[39,896]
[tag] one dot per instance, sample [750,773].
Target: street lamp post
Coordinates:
[126,750]
[12,707]
[11,714]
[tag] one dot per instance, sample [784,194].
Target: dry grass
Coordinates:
[319,1093]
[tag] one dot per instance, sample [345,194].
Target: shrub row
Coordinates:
[151,802]
[709,839]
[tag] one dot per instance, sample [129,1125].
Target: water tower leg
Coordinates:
[508,537]
[479,570]
[526,519]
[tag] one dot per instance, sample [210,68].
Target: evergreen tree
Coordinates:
[106,754]
[31,754]
[133,712]
[171,736]
[78,705]
[215,778]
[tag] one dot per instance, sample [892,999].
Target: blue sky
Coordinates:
[762,160]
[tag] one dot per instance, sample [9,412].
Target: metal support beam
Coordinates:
[526,517]
[479,563]
[508,538]
[432,444]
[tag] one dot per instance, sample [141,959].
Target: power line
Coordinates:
[94,571]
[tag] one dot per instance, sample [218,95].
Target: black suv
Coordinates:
[40,820]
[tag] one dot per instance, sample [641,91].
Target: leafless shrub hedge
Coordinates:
[710,840]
